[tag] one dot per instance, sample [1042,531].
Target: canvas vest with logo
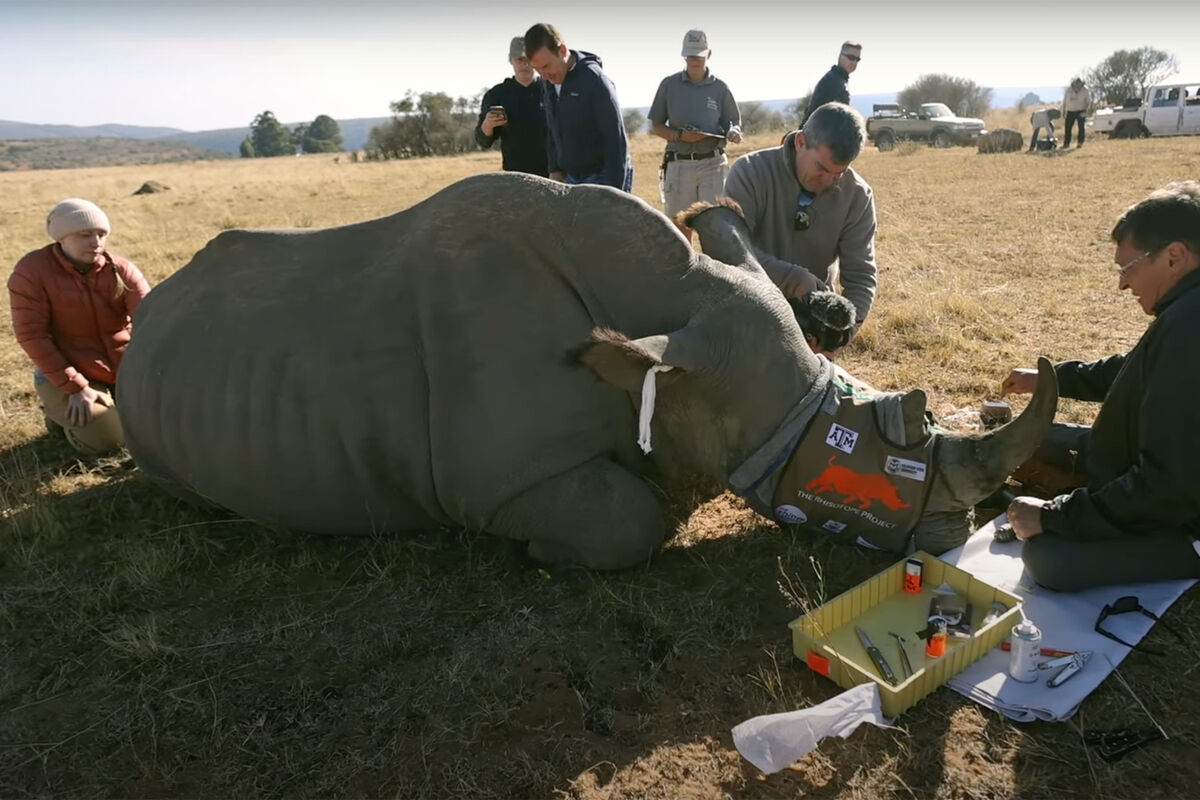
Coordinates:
[846,479]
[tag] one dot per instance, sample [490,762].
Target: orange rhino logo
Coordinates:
[856,487]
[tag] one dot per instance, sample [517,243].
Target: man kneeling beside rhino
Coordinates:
[481,360]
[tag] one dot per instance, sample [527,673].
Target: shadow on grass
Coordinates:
[153,648]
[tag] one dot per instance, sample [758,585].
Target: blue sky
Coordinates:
[196,65]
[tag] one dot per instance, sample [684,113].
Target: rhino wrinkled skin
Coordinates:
[477,361]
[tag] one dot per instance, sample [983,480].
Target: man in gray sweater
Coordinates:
[812,217]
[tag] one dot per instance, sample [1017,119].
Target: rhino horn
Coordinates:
[723,232]
[969,468]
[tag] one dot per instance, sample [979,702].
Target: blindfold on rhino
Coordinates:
[481,360]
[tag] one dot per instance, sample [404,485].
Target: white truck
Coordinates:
[1170,109]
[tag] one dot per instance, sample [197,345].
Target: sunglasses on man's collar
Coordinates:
[804,215]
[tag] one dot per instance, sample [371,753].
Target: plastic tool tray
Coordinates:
[826,638]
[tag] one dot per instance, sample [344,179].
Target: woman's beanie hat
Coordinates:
[74,214]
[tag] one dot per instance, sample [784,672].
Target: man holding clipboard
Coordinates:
[696,113]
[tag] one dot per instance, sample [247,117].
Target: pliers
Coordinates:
[1067,666]
[1114,743]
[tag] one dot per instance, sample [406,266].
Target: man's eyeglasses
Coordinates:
[1127,605]
[851,57]
[1121,270]
[803,218]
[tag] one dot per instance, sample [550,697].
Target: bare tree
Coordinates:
[635,121]
[1129,73]
[757,118]
[962,96]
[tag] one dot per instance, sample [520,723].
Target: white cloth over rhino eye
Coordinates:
[647,409]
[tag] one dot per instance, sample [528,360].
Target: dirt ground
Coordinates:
[151,649]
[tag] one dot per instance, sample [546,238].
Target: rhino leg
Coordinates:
[598,515]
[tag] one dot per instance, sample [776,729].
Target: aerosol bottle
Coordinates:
[1022,661]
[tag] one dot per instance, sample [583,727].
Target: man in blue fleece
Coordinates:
[586,135]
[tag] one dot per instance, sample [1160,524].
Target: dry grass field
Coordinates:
[149,649]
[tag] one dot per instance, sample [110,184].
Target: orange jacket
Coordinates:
[74,326]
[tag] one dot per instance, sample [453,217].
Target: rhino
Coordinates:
[1001,140]
[480,360]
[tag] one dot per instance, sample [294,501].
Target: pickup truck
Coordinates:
[1170,109]
[933,123]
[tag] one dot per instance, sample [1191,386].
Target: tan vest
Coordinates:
[846,479]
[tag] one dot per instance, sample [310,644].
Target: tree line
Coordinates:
[270,137]
[436,124]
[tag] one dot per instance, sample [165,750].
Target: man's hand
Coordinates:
[1020,381]
[1025,516]
[558,175]
[734,135]
[79,406]
[493,120]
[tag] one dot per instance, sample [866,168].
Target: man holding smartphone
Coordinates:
[512,112]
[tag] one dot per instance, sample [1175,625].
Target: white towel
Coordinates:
[1066,621]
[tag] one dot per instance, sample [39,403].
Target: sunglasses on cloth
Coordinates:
[803,218]
[1127,605]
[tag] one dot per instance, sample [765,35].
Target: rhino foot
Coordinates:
[598,515]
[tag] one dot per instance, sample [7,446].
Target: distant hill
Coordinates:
[113,143]
[28,130]
[354,135]
[65,153]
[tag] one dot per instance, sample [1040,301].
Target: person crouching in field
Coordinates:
[1137,515]
[72,307]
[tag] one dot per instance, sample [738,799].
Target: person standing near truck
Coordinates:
[832,86]
[1075,106]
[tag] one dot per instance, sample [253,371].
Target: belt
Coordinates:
[671,155]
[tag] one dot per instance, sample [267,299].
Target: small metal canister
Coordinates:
[1023,655]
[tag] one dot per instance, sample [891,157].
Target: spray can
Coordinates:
[935,645]
[913,568]
[1023,655]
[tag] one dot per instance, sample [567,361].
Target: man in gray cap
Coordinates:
[512,112]
[696,113]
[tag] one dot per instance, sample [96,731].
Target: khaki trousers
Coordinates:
[102,435]
[686,182]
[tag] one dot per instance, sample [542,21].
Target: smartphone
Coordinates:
[498,109]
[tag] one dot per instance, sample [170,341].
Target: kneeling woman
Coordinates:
[72,308]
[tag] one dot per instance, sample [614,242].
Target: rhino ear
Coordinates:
[623,362]
[912,409]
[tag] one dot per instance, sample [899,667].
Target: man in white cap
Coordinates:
[512,112]
[696,113]
[72,307]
